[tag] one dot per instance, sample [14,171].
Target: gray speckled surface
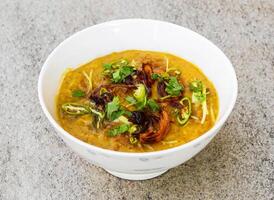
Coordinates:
[35,163]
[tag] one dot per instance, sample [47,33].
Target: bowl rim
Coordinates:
[194,142]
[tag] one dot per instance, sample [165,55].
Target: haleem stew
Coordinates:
[137,101]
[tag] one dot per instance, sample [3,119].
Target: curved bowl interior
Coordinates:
[139,34]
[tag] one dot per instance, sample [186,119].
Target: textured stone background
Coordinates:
[35,163]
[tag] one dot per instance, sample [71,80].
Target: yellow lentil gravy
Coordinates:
[136,101]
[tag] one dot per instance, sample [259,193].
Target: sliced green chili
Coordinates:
[75,109]
[184,114]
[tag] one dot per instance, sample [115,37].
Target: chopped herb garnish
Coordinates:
[112,107]
[156,76]
[107,66]
[114,110]
[173,87]
[160,77]
[122,119]
[139,99]
[116,77]
[131,100]
[116,114]
[156,100]
[118,130]
[115,65]
[120,74]
[118,71]
[153,105]
[127,113]
[199,96]
[196,86]
[78,93]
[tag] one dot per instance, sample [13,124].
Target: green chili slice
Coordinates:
[75,109]
[184,115]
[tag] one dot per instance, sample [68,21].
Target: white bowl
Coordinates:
[140,34]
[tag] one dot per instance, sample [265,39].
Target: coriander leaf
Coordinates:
[122,119]
[155,76]
[140,105]
[118,71]
[107,66]
[118,130]
[116,114]
[198,93]
[153,105]
[173,87]
[160,77]
[125,71]
[116,77]
[196,86]
[112,109]
[127,113]
[121,73]
[78,93]
[199,96]
[131,100]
